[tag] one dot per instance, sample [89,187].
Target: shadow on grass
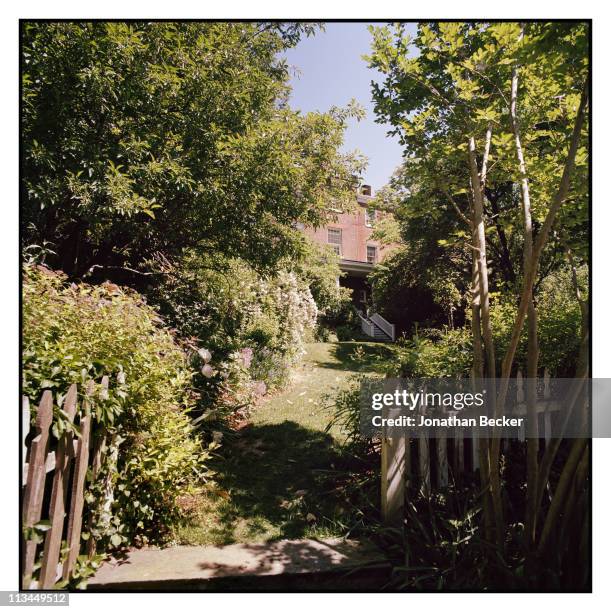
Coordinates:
[281,481]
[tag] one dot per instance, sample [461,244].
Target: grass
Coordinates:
[283,475]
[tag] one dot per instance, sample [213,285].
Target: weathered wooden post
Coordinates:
[395,452]
[442,460]
[424,460]
[35,483]
[53,539]
[75,518]
[459,453]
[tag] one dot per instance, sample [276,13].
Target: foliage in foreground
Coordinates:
[153,137]
[76,333]
[442,546]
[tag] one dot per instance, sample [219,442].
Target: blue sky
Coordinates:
[332,72]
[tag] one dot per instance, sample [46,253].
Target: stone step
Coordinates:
[285,565]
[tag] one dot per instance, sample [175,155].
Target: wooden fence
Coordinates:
[434,463]
[54,486]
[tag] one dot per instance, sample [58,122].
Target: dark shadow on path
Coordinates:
[288,565]
[282,473]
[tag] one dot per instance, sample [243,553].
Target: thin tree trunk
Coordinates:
[532,431]
[476,325]
[482,264]
[529,277]
[477,179]
[478,374]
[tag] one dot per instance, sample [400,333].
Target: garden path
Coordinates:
[285,501]
[283,475]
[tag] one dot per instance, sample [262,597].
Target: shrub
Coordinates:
[322,334]
[448,352]
[346,414]
[343,313]
[345,332]
[436,353]
[559,324]
[75,333]
[227,307]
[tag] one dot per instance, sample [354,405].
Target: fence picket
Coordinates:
[393,481]
[25,430]
[75,517]
[53,539]
[459,446]
[66,503]
[475,453]
[35,484]
[547,393]
[429,458]
[442,461]
[424,464]
[520,387]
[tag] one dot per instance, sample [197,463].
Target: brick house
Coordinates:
[350,235]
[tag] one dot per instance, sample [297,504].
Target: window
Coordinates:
[334,238]
[370,217]
[372,254]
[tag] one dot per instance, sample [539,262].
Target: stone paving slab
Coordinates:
[192,564]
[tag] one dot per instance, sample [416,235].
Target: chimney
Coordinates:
[366,190]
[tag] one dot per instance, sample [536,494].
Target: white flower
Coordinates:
[205,354]
[208,371]
[121,377]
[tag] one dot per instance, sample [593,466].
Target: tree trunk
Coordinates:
[530,274]
[478,374]
[532,429]
[477,179]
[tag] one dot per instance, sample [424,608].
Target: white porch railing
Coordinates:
[367,327]
[384,325]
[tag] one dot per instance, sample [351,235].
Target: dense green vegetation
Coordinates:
[149,138]
[76,333]
[491,210]
[164,178]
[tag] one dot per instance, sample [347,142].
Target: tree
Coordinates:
[492,116]
[155,137]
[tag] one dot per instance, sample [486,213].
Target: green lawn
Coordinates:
[283,476]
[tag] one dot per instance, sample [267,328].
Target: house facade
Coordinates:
[350,235]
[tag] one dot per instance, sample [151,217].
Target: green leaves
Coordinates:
[77,333]
[152,137]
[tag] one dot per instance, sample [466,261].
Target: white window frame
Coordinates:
[370,217]
[375,253]
[336,246]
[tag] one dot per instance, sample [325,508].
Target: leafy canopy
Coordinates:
[152,137]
